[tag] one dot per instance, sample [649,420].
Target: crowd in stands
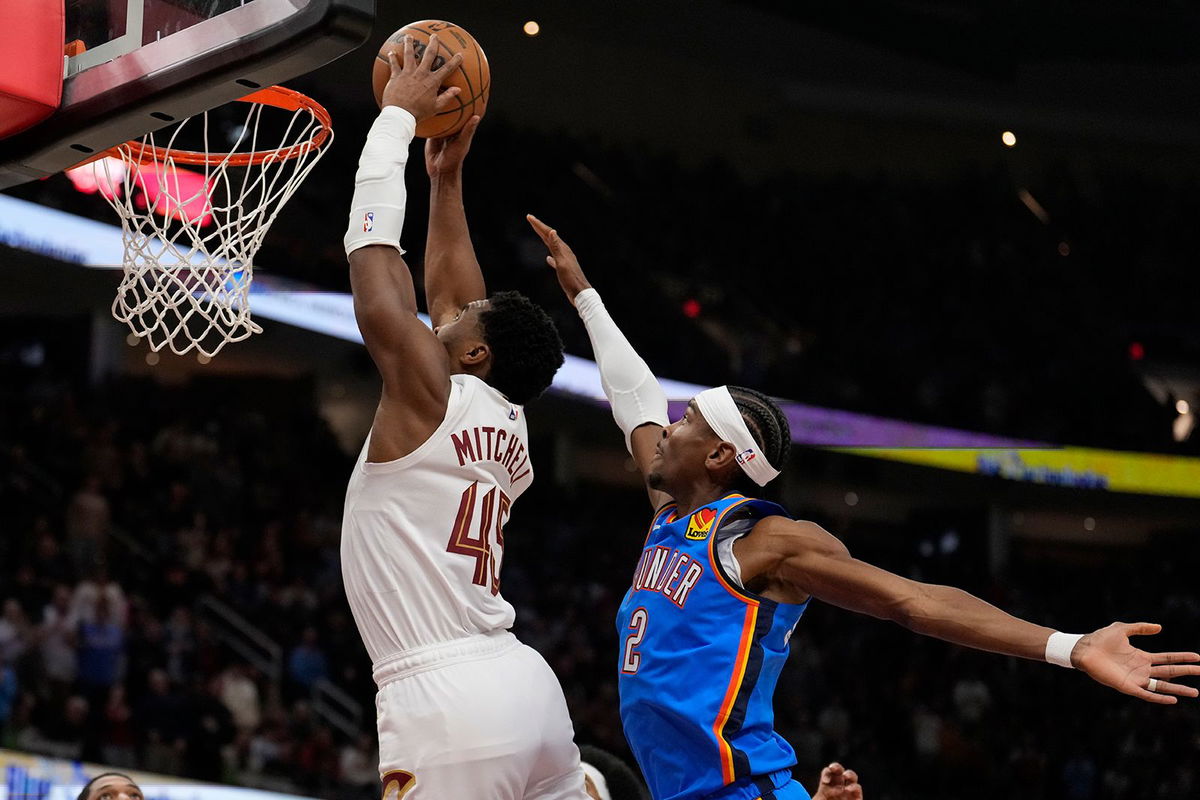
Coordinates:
[124,505]
[943,300]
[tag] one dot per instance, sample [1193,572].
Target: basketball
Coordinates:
[473,77]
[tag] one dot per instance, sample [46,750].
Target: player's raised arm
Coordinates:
[412,362]
[789,561]
[639,404]
[452,274]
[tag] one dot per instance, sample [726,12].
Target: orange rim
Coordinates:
[274,96]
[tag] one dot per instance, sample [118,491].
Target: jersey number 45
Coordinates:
[495,509]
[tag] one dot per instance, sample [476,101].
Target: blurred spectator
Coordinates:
[307,663]
[57,637]
[358,765]
[972,699]
[90,591]
[180,641]
[8,695]
[118,735]
[14,631]
[162,722]
[212,730]
[239,693]
[88,519]
[101,652]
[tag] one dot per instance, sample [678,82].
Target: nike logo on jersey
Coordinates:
[672,573]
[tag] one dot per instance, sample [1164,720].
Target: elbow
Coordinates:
[911,610]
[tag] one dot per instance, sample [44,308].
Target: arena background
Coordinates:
[811,199]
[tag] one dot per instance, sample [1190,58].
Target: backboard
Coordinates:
[133,66]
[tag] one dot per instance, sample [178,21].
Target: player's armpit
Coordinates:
[410,359]
[791,560]
[643,443]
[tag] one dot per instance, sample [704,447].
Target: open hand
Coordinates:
[1108,657]
[838,783]
[561,258]
[445,155]
[414,84]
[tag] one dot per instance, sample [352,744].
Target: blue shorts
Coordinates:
[775,786]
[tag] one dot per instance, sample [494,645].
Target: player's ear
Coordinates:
[721,455]
[476,354]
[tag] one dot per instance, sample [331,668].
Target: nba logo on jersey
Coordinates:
[369,222]
[700,524]
[512,413]
[746,456]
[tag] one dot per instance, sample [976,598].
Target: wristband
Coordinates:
[1059,647]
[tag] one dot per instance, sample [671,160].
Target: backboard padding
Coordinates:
[152,85]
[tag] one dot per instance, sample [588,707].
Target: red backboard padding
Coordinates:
[31,62]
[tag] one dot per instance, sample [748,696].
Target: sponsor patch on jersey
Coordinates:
[700,524]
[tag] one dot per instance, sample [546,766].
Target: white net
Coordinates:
[191,232]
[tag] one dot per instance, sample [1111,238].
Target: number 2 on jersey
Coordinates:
[496,507]
[631,659]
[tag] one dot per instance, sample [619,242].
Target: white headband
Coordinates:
[722,415]
[598,780]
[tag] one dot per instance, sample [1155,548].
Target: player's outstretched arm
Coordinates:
[789,560]
[639,404]
[452,274]
[410,359]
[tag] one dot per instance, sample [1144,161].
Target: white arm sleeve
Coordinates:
[377,211]
[629,385]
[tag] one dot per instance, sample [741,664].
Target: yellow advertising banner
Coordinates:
[1077,467]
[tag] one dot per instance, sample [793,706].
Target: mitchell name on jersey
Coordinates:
[488,443]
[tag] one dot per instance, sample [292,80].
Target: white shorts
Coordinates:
[481,718]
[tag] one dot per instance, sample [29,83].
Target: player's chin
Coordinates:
[654,478]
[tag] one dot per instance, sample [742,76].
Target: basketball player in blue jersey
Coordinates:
[724,579]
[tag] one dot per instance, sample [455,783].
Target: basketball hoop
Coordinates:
[191,236]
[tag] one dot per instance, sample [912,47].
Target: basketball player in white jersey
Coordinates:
[465,711]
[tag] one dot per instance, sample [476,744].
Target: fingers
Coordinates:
[1176,689]
[394,62]
[1140,628]
[468,131]
[446,98]
[833,775]
[540,228]
[409,56]
[851,777]
[430,54]
[1175,658]
[1151,697]
[1174,671]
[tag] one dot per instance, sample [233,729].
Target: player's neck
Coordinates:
[695,496]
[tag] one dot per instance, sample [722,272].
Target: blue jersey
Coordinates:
[700,658]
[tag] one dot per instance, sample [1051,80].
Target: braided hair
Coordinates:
[769,427]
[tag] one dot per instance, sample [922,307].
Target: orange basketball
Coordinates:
[473,78]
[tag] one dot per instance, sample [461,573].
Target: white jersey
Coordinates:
[422,536]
